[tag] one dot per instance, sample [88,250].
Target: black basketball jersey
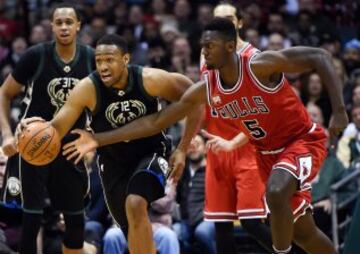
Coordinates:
[116,108]
[49,80]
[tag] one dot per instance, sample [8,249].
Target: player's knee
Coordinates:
[275,196]
[136,207]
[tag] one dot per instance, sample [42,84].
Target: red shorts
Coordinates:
[234,189]
[303,159]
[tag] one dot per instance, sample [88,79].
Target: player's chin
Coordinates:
[210,66]
[66,41]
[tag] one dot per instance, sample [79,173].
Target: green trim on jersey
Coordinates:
[61,63]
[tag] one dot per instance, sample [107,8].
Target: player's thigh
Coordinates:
[304,228]
[34,181]
[149,178]
[68,185]
[220,190]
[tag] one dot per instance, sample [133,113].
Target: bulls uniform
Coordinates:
[47,81]
[234,189]
[277,124]
[133,167]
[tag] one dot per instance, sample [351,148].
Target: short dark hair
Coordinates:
[65,5]
[114,39]
[224,27]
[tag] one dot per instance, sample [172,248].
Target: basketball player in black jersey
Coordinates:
[47,72]
[133,172]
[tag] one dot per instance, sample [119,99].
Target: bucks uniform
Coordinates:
[47,81]
[132,167]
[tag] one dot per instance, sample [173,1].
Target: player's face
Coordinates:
[214,49]
[229,12]
[65,25]
[110,63]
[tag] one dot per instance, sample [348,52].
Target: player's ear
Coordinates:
[126,58]
[78,27]
[240,24]
[230,46]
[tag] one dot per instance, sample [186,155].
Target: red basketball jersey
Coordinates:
[223,127]
[270,117]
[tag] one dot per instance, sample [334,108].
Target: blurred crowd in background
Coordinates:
[165,34]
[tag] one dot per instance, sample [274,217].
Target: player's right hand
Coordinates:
[9,146]
[216,143]
[78,148]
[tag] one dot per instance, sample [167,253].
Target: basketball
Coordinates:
[39,143]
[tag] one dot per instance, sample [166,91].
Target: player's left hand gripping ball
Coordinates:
[38,142]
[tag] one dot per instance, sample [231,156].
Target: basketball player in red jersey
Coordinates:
[252,91]
[231,169]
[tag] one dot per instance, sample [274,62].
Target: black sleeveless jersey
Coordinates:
[116,108]
[49,80]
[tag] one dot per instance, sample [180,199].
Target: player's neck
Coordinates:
[229,73]
[123,82]
[239,43]
[66,52]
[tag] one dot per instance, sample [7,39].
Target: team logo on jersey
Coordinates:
[13,186]
[67,69]
[164,165]
[59,90]
[216,100]
[120,113]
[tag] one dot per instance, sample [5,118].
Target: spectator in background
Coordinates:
[159,9]
[156,54]
[349,144]
[192,72]
[314,92]
[169,33]
[18,47]
[38,35]
[251,16]
[192,226]
[276,42]
[331,171]
[305,34]
[275,24]
[119,13]
[160,216]
[181,55]
[135,19]
[330,43]
[253,37]
[351,56]
[97,218]
[46,24]
[182,12]
[97,28]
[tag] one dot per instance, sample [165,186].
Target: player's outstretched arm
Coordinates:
[74,106]
[139,128]
[269,65]
[154,123]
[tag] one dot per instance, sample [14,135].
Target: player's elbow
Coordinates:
[322,55]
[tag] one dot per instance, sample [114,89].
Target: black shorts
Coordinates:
[64,184]
[146,178]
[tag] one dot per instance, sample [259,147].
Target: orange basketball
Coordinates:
[39,143]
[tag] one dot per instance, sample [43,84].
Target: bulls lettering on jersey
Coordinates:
[271,117]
